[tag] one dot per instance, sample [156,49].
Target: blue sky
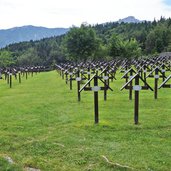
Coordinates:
[167,2]
[65,13]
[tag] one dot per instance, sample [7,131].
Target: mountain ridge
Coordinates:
[30,32]
[130,19]
[27,33]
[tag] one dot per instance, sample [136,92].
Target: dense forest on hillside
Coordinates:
[101,41]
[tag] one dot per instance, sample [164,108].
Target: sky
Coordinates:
[66,13]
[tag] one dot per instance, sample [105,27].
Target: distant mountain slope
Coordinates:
[26,33]
[130,19]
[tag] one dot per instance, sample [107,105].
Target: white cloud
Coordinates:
[65,13]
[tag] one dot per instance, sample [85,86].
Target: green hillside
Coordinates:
[97,42]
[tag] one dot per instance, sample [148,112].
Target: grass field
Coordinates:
[43,126]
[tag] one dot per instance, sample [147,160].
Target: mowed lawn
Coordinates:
[43,126]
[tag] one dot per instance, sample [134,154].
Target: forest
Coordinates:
[92,42]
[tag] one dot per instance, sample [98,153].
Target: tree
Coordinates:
[159,45]
[43,51]
[119,47]
[81,43]
[132,49]
[29,57]
[6,58]
[150,45]
[116,46]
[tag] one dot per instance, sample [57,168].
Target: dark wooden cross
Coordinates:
[128,75]
[79,78]
[137,88]
[164,85]
[96,88]
[19,76]
[105,75]
[156,71]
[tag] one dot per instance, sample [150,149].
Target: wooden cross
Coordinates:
[136,88]
[127,77]
[164,85]
[96,88]
[156,70]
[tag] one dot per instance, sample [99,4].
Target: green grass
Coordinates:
[42,125]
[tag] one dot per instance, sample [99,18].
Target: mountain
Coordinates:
[130,19]
[27,33]
[124,40]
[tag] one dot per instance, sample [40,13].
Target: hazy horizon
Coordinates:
[64,14]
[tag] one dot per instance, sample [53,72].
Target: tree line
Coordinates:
[97,42]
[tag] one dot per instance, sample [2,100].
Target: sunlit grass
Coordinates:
[44,126]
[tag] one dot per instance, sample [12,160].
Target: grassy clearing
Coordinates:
[43,126]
